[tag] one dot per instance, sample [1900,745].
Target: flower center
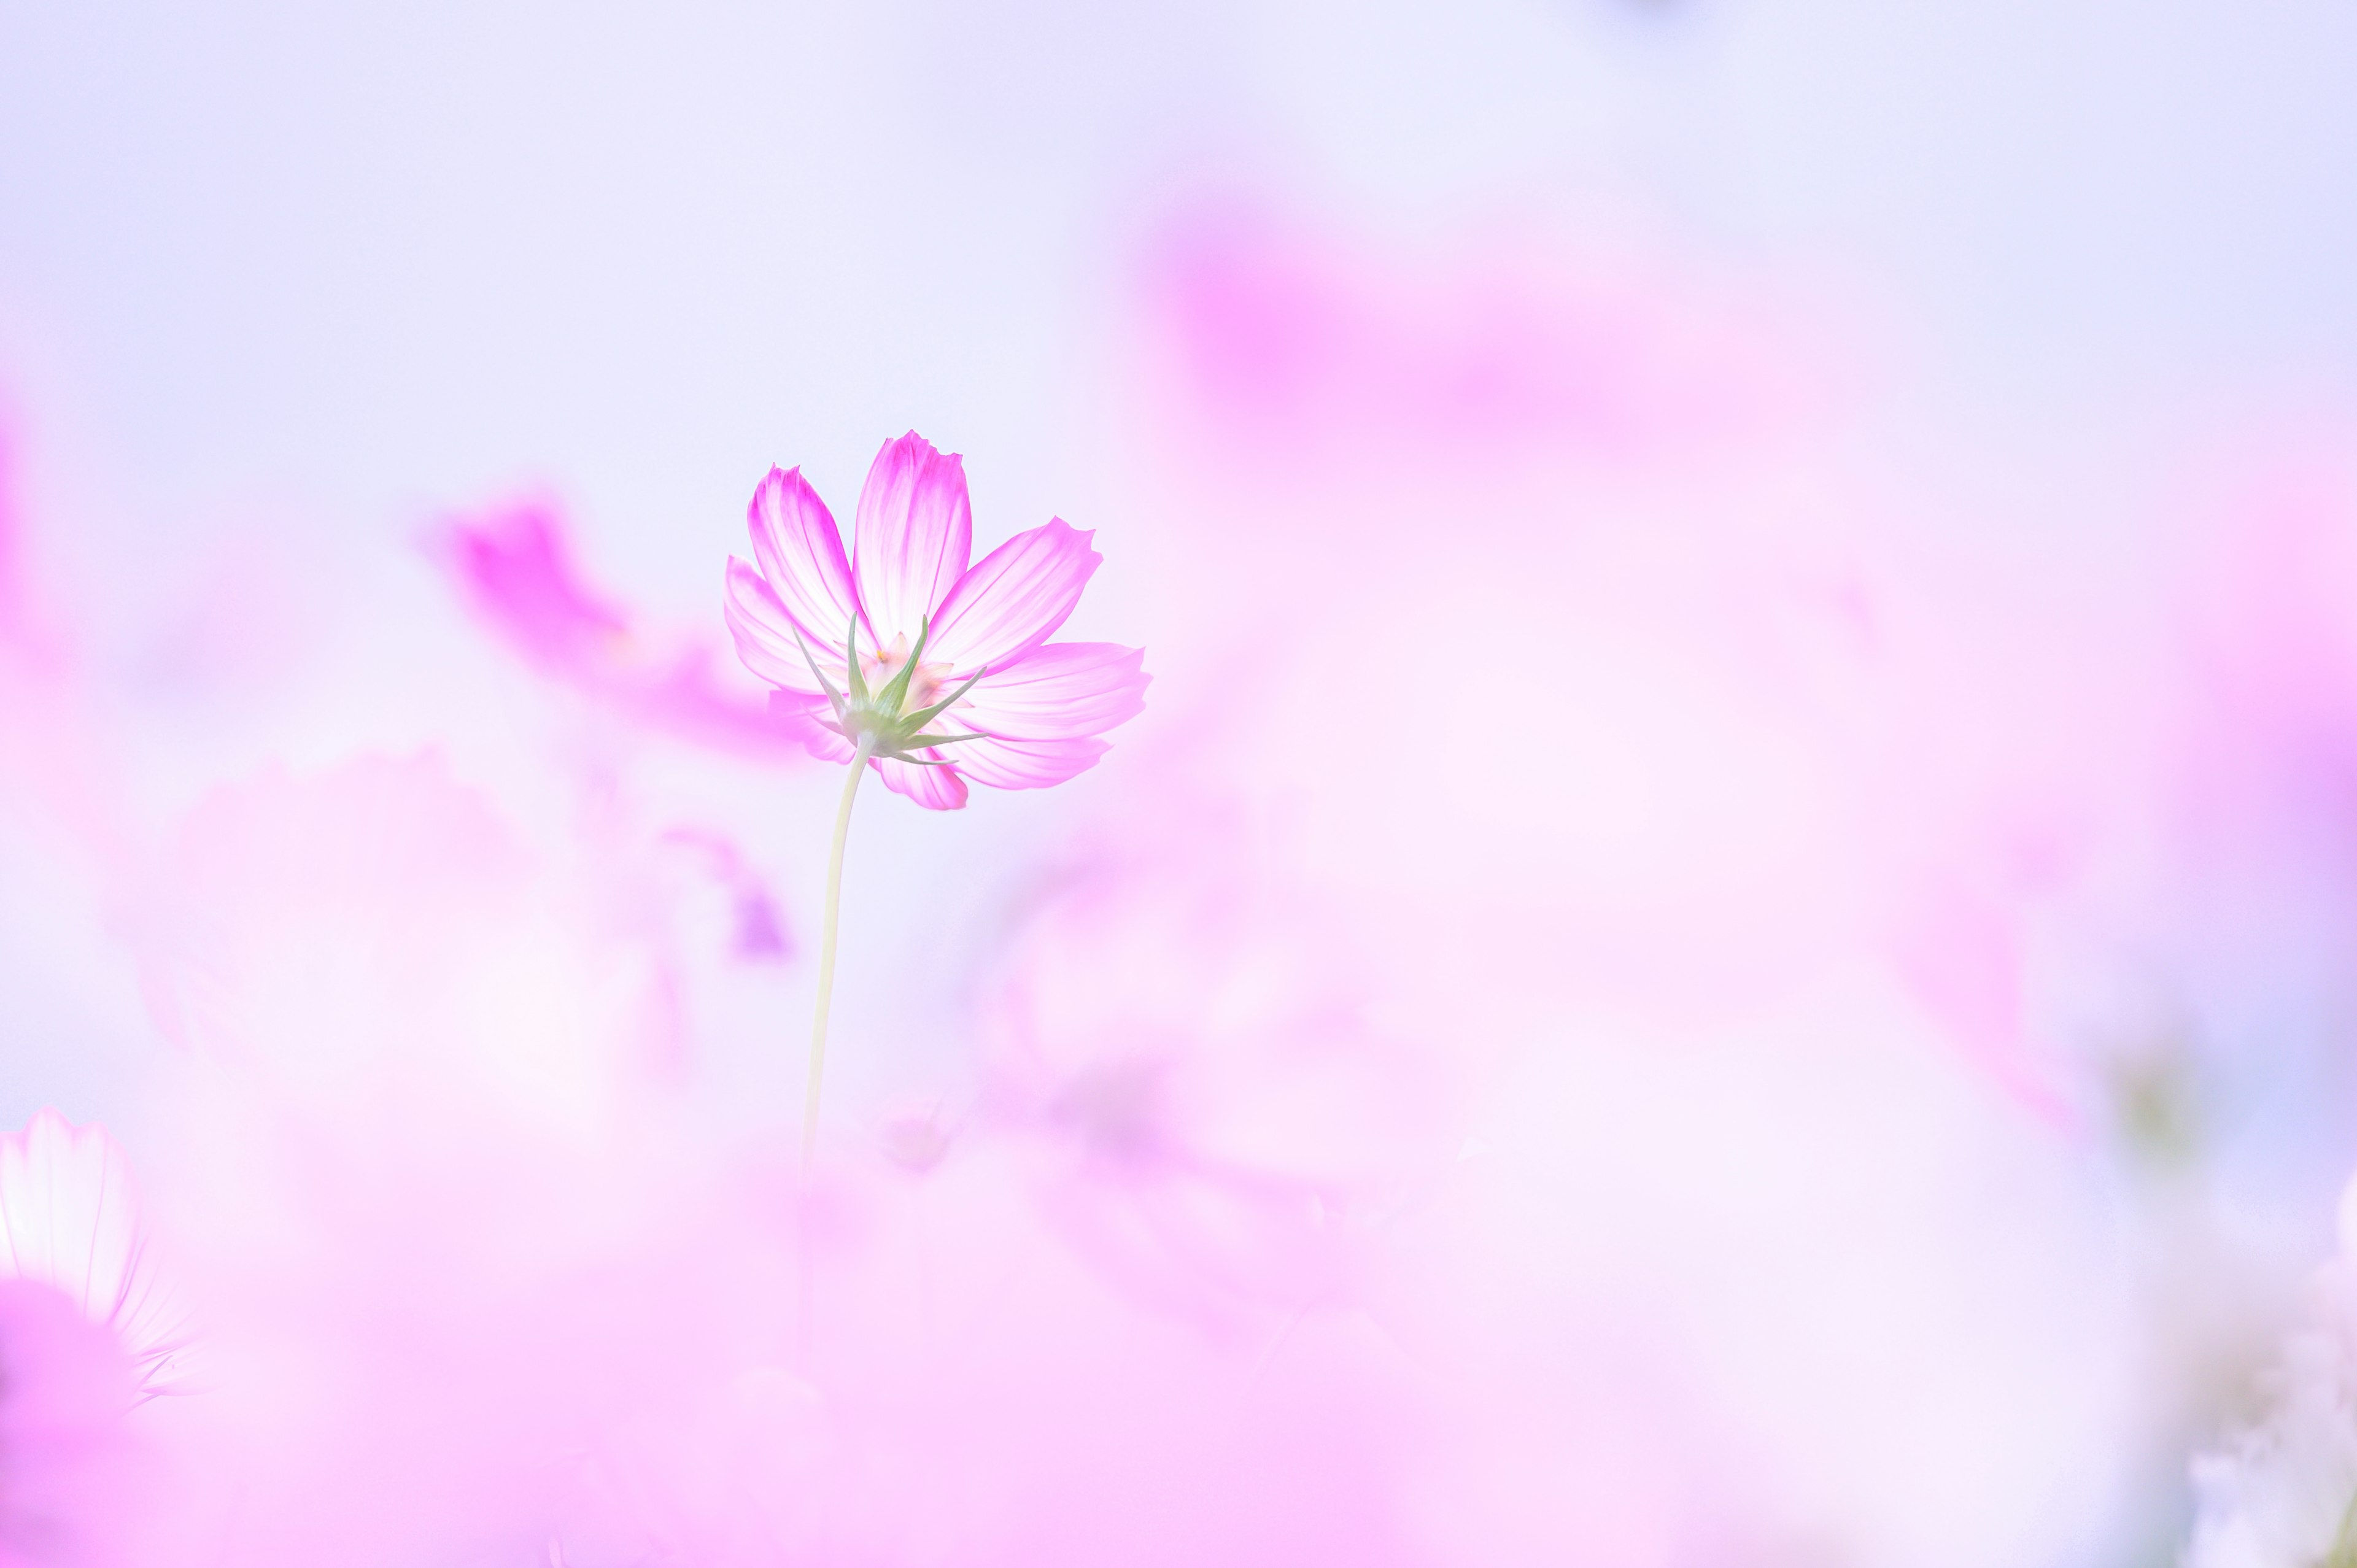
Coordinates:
[894,696]
[926,682]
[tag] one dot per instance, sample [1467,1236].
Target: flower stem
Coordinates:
[827,946]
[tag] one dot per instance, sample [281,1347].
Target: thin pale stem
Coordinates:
[2345,1540]
[827,946]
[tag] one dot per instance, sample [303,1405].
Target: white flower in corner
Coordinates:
[68,1218]
[2284,1493]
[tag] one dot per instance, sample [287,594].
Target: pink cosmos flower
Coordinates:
[942,670]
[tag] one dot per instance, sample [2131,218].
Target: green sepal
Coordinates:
[857,680]
[924,716]
[896,690]
[833,697]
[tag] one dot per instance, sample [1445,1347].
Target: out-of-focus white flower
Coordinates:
[68,1218]
[2283,1494]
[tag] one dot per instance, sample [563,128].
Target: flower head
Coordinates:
[941,669]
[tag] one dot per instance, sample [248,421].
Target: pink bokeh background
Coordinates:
[1726,938]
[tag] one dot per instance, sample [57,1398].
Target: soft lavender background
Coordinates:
[1728,938]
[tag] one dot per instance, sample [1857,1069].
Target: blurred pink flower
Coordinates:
[518,574]
[1281,343]
[68,1218]
[1184,1034]
[936,641]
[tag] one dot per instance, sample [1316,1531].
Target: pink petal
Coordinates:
[935,789]
[913,537]
[764,634]
[800,552]
[798,714]
[1057,690]
[1027,764]
[1015,597]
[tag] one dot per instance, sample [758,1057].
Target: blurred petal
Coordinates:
[1027,763]
[935,789]
[1015,597]
[764,632]
[914,534]
[1056,691]
[800,552]
[516,570]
